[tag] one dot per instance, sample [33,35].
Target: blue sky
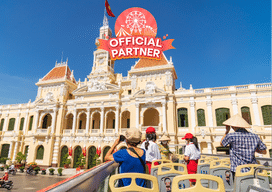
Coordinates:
[218,42]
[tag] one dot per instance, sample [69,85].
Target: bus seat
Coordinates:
[154,168]
[243,179]
[176,185]
[165,177]
[252,188]
[133,186]
[221,168]
[203,167]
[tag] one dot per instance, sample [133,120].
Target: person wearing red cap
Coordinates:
[191,155]
[151,148]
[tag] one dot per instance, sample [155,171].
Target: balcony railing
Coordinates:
[42,131]
[67,131]
[94,130]
[80,131]
[123,130]
[109,130]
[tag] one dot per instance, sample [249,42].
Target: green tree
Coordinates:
[20,157]
[81,161]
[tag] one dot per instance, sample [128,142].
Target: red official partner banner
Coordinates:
[136,31]
[135,47]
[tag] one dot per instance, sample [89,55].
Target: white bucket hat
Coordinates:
[237,121]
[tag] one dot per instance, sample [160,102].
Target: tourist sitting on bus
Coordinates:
[191,155]
[164,148]
[151,148]
[132,159]
[243,144]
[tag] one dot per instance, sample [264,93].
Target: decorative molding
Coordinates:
[254,100]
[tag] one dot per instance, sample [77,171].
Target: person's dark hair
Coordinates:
[133,144]
[151,137]
[194,140]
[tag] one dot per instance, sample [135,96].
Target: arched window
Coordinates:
[96,121]
[110,120]
[91,157]
[201,117]
[26,150]
[40,152]
[183,117]
[30,123]
[22,123]
[69,122]
[5,150]
[82,121]
[125,122]
[11,124]
[246,114]
[151,117]
[222,114]
[47,120]
[63,152]
[267,114]
[105,151]
[2,124]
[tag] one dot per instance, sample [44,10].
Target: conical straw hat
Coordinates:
[164,138]
[237,121]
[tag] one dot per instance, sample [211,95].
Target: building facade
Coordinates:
[91,114]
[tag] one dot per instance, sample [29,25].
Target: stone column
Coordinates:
[137,114]
[25,123]
[210,113]
[234,104]
[5,128]
[254,102]
[88,121]
[74,121]
[102,120]
[36,121]
[209,143]
[193,116]
[54,120]
[164,129]
[15,151]
[55,152]
[117,119]
[17,124]
[10,149]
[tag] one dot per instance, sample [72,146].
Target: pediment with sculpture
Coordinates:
[150,89]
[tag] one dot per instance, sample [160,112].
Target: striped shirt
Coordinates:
[243,145]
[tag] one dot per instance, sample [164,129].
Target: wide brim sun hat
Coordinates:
[133,135]
[237,121]
[164,138]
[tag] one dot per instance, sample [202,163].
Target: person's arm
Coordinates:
[109,156]
[261,148]
[227,131]
[187,153]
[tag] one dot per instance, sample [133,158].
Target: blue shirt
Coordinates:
[243,145]
[129,164]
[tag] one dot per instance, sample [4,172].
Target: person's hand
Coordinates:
[227,129]
[117,141]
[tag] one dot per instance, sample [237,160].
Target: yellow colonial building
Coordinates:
[90,114]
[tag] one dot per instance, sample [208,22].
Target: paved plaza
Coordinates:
[31,183]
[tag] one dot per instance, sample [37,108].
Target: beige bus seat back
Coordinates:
[133,186]
[177,187]
[154,168]
[243,179]
[165,177]
[221,168]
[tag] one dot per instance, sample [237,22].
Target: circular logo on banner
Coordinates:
[135,22]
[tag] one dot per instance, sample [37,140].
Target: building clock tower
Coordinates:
[103,66]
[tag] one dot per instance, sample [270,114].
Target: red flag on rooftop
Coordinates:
[108,9]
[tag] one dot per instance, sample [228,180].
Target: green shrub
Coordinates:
[51,170]
[60,171]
